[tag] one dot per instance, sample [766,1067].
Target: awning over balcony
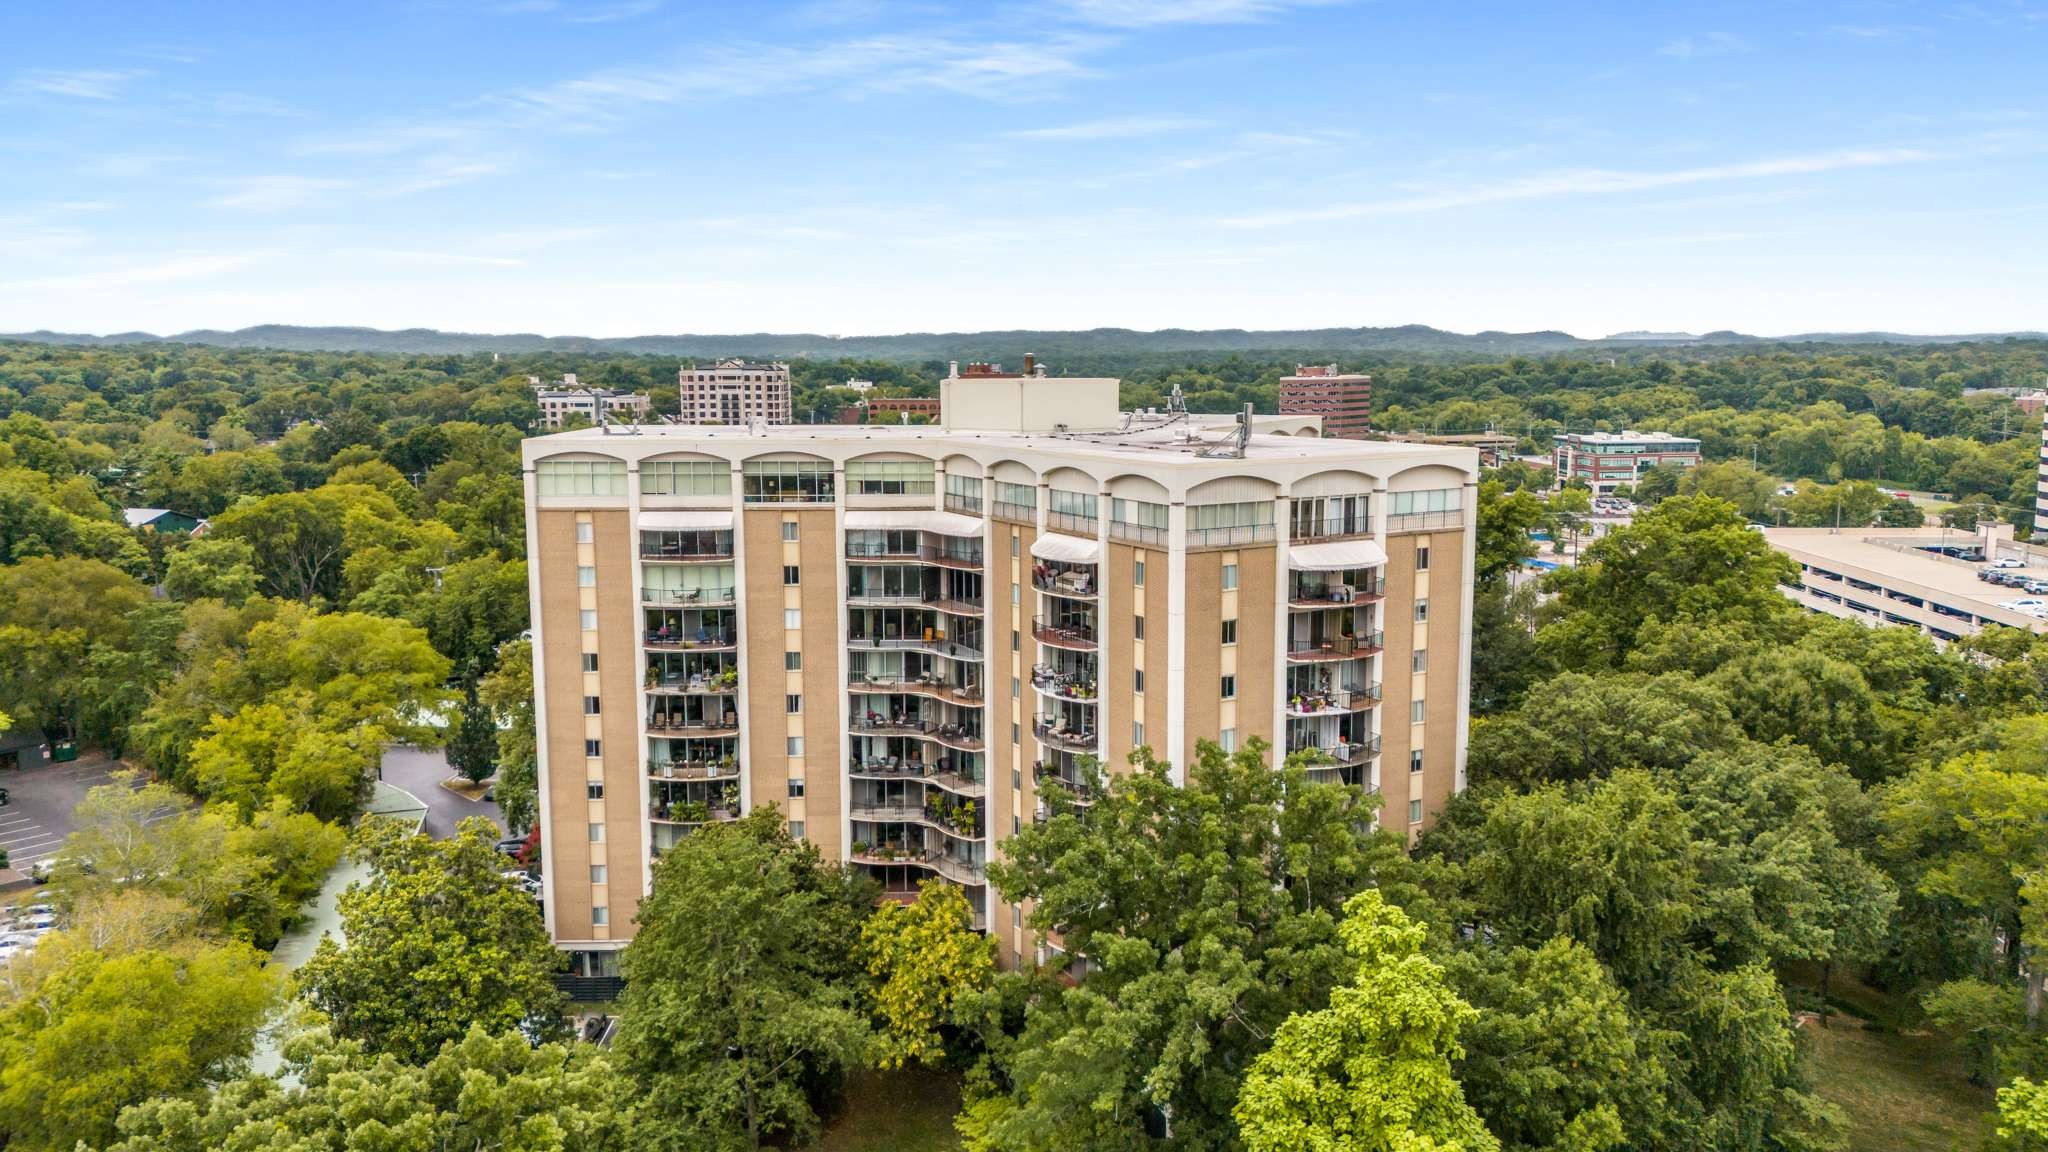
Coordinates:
[914,519]
[1336,556]
[682,519]
[1071,549]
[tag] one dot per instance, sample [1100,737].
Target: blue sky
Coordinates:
[615,167]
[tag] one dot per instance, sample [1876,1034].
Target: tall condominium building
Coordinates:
[2041,489]
[1603,460]
[904,637]
[734,392]
[1342,399]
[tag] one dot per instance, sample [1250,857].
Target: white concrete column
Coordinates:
[545,812]
[1471,498]
[1282,626]
[739,622]
[1176,638]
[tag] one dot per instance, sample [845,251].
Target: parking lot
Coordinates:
[37,817]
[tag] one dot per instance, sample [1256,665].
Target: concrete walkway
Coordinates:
[323,916]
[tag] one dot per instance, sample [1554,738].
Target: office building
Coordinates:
[734,392]
[1342,399]
[558,405]
[890,410]
[1604,460]
[904,637]
[2041,488]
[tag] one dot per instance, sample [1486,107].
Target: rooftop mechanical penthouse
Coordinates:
[904,637]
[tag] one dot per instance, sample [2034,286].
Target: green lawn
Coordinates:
[909,1111]
[1902,1092]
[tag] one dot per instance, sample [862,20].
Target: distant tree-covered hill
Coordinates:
[1007,346]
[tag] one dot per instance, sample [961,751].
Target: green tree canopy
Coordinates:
[1373,1070]
[438,942]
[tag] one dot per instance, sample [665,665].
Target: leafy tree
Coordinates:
[1689,559]
[1974,832]
[102,1030]
[922,958]
[1505,521]
[509,692]
[739,1010]
[2023,1114]
[473,748]
[85,645]
[438,942]
[1504,656]
[1208,913]
[237,876]
[1373,1070]
[218,567]
[1579,727]
[479,1091]
[1553,1059]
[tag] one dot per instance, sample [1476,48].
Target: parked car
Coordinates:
[2037,587]
[526,882]
[2009,562]
[512,845]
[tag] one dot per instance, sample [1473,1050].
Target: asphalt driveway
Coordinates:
[420,772]
[37,817]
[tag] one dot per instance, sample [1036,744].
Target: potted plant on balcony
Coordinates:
[729,678]
[730,794]
[962,817]
[693,812]
[653,675]
[860,847]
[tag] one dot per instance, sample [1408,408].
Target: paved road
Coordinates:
[420,773]
[37,817]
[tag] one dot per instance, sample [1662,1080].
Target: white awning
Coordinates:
[1072,549]
[673,519]
[914,519]
[1336,556]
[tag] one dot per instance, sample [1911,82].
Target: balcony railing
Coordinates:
[665,723]
[693,685]
[1063,634]
[966,696]
[1072,522]
[1228,535]
[693,770]
[705,551]
[1334,702]
[1065,686]
[1336,647]
[1052,731]
[1074,584]
[688,597]
[1342,754]
[1335,595]
[1140,533]
[666,641]
[935,644]
[1419,521]
[1008,510]
[687,812]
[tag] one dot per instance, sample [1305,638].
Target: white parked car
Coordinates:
[2008,562]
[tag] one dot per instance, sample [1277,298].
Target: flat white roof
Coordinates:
[1160,444]
[1893,558]
[1627,437]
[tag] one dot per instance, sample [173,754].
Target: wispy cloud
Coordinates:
[171,268]
[81,84]
[274,192]
[441,259]
[1114,128]
[1589,182]
[1153,13]
[1707,44]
